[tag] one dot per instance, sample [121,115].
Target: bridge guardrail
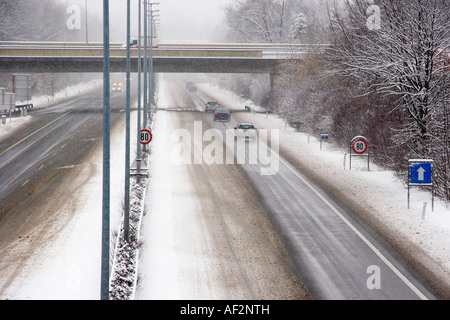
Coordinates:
[77,49]
[94,52]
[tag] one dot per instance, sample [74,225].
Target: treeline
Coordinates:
[386,75]
[40,20]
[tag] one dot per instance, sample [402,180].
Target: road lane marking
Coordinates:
[17,143]
[355,230]
[69,166]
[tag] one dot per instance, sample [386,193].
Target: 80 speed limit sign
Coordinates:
[145,136]
[359,145]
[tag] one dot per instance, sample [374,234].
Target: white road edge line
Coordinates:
[356,231]
[65,114]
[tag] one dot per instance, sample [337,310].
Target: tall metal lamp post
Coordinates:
[138,145]
[148,74]
[145,61]
[86,10]
[104,290]
[126,224]
[152,78]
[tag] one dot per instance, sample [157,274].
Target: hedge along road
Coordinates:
[41,167]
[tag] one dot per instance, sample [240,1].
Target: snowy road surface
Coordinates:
[50,203]
[205,233]
[67,267]
[333,255]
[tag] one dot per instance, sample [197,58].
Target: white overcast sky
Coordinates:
[180,20]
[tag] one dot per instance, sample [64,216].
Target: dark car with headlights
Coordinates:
[222,114]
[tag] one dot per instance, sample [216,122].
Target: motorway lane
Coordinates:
[40,166]
[205,234]
[336,258]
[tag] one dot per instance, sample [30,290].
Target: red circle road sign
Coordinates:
[145,136]
[359,145]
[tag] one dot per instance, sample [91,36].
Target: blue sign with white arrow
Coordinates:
[421,173]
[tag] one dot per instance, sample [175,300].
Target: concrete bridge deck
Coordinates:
[30,57]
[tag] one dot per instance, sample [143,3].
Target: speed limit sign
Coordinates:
[145,136]
[359,145]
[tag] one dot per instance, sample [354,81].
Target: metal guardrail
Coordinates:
[93,52]
[77,49]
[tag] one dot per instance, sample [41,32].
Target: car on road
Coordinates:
[133,44]
[211,106]
[116,87]
[222,114]
[191,87]
[245,130]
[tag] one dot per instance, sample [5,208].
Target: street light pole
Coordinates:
[152,84]
[138,144]
[126,224]
[86,9]
[106,158]
[145,62]
[151,76]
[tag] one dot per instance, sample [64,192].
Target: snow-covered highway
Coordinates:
[190,208]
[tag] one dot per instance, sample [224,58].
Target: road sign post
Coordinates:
[22,86]
[145,136]
[359,147]
[323,137]
[420,173]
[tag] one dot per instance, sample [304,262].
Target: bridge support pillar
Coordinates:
[273,78]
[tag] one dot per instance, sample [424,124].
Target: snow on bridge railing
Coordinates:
[266,50]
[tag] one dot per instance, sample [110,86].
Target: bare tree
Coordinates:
[400,58]
[38,20]
[271,21]
[267,21]
[34,21]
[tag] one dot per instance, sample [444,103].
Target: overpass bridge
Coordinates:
[56,57]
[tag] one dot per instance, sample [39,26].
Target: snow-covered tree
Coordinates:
[271,21]
[400,59]
[256,20]
[299,26]
[40,20]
